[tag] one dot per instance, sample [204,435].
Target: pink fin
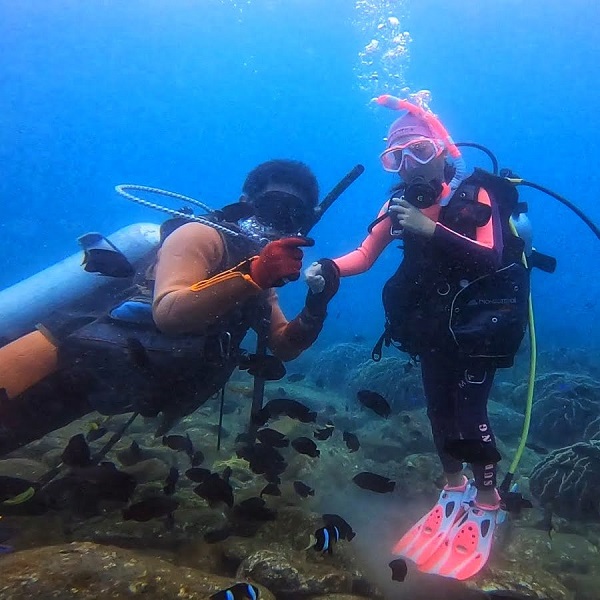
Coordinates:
[467,547]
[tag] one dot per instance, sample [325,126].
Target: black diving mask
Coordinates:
[282,211]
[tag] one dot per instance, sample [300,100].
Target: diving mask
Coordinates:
[421,150]
[281,211]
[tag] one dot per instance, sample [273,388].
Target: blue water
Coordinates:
[190,95]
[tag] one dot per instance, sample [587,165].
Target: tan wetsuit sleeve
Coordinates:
[288,339]
[192,254]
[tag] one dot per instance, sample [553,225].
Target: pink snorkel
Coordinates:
[436,126]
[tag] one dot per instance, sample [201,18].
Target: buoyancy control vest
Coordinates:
[436,301]
[132,366]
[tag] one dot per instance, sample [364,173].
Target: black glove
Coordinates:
[316,303]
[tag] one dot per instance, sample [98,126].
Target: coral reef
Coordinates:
[564,404]
[569,480]
[335,364]
[392,378]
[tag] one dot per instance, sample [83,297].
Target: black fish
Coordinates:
[150,508]
[227,473]
[214,490]
[218,535]
[10,487]
[320,383]
[179,443]
[374,482]
[405,419]
[262,458]
[325,537]
[351,441]
[267,367]
[295,377]
[197,458]
[325,433]
[399,569]
[305,445]
[130,456]
[273,438]
[171,481]
[473,452]
[197,474]
[77,453]
[271,489]
[514,503]
[100,255]
[537,448]
[408,366]
[239,591]
[376,402]
[254,509]
[284,406]
[346,531]
[109,483]
[303,490]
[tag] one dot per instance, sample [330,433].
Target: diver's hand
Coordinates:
[325,275]
[314,277]
[279,262]
[411,219]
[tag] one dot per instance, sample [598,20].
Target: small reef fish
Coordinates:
[376,402]
[324,538]
[351,441]
[399,569]
[254,509]
[325,433]
[346,531]
[150,508]
[239,591]
[273,438]
[77,452]
[197,474]
[284,406]
[374,483]
[267,367]
[303,490]
[171,481]
[179,443]
[271,489]
[214,490]
[305,445]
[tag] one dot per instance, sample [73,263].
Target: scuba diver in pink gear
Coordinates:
[454,235]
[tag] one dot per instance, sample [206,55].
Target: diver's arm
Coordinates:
[485,251]
[184,301]
[288,339]
[363,258]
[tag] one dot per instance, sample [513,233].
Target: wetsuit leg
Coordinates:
[474,383]
[440,393]
[457,393]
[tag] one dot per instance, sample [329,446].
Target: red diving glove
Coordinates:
[279,262]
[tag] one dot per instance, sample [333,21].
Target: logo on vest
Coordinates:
[488,301]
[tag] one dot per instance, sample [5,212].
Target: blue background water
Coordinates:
[189,96]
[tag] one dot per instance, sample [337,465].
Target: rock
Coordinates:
[524,577]
[566,553]
[149,470]
[23,468]
[88,571]
[286,576]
